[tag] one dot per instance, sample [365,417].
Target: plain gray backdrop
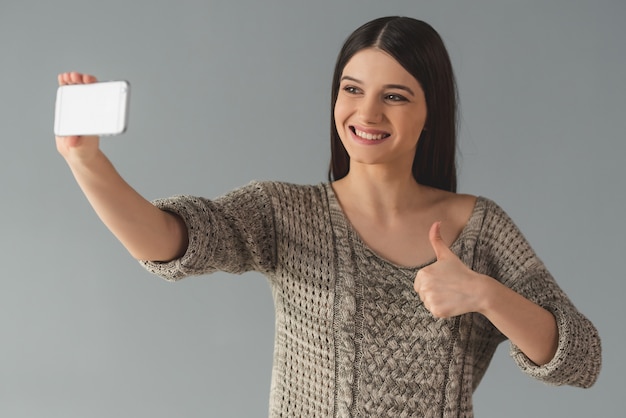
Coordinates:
[224,92]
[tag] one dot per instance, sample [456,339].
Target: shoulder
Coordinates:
[486,219]
[282,189]
[478,217]
[466,208]
[273,187]
[280,194]
[460,206]
[493,216]
[454,208]
[500,236]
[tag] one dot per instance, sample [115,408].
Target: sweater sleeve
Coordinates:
[509,258]
[233,233]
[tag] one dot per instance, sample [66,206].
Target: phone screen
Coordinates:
[92,109]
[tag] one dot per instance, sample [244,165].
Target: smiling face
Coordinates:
[380,110]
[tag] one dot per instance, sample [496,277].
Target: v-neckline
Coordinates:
[347,225]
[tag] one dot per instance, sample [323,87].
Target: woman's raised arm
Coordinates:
[147,232]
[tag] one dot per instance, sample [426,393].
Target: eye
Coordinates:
[351,89]
[396,98]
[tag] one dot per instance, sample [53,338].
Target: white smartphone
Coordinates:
[92,109]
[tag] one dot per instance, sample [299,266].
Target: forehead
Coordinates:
[372,65]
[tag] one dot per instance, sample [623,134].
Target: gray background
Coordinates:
[229,91]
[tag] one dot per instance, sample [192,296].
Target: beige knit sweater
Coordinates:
[352,337]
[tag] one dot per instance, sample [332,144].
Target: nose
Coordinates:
[370,110]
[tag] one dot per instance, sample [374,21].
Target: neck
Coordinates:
[380,190]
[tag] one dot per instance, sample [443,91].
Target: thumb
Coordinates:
[440,247]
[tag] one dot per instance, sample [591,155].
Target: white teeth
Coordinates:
[368,136]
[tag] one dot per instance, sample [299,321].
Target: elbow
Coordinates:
[168,245]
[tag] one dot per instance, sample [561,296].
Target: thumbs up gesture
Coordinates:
[447,287]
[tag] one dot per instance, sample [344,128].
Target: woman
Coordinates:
[391,290]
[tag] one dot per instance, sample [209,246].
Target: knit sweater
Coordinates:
[352,337]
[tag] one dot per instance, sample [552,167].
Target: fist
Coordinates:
[447,287]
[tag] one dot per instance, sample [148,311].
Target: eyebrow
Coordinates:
[387,86]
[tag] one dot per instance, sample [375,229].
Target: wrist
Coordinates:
[78,150]
[85,161]
[487,290]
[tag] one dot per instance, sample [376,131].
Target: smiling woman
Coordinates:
[378,103]
[391,290]
[426,62]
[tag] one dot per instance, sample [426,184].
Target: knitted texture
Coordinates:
[352,336]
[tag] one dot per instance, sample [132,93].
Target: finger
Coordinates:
[417,283]
[88,78]
[75,77]
[440,247]
[64,78]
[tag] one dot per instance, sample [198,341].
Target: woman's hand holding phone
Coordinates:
[146,231]
[77,148]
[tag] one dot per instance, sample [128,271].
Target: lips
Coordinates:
[369,135]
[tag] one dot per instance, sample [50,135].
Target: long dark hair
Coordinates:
[421,51]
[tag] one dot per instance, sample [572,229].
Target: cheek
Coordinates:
[416,123]
[419,128]
[342,110]
[340,114]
